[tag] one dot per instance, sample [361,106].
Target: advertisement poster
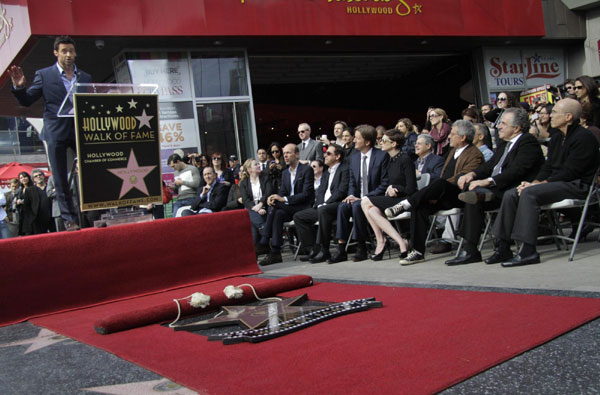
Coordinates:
[536,95]
[171,75]
[118,149]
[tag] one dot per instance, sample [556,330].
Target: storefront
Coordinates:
[237,74]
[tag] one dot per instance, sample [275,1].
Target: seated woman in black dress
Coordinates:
[403,182]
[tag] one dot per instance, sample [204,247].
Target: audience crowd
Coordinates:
[369,189]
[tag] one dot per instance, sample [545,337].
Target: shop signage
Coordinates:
[521,69]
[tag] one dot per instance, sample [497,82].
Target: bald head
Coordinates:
[291,155]
[565,113]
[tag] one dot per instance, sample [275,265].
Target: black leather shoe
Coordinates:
[360,255]
[472,197]
[378,257]
[271,259]
[338,256]
[519,260]
[322,256]
[313,253]
[261,249]
[464,258]
[499,256]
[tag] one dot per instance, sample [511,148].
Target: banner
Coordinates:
[118,149]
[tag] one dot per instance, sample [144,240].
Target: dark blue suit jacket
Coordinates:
[378,176]
[48,84]
[433,165]
[304,186]
[218,198]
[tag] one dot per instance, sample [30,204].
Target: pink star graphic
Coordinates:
[44,338]
[164,386]
[132,175]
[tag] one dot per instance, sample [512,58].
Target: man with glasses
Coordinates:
[570,88]
[39,179]
[332,189]
[187,181]
[566,174]
[309,149]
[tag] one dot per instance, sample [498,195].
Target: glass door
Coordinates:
[225,128]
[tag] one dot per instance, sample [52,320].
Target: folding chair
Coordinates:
[593,198]
[287,232]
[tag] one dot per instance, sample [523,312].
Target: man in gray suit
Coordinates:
[309,149]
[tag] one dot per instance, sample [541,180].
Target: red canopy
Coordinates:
[12,170]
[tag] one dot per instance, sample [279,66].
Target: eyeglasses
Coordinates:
[578,87]
[276,151]
[329,153]
[569,87]
[501,99]
[216,158]
[433,115]
[38,175]
[302,131]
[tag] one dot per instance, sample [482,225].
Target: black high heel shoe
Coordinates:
[378,257]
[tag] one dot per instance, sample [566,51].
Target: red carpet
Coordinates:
[421,341]
[53,272]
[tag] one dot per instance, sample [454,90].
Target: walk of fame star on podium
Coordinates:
[132,176]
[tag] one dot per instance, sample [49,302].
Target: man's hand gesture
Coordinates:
[17,76]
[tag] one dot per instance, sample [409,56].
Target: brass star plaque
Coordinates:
[276,319]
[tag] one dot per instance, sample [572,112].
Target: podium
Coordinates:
[118,148]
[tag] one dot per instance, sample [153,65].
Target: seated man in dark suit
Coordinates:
[213,196]
[520,158]
[368,177]
[427,161]
[297,192]
[567,174]
[333,188]
[442,194]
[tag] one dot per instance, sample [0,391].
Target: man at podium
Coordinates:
[52,83]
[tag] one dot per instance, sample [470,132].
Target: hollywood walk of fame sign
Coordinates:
[276,319]
[118,149]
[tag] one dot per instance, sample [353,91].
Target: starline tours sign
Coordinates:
[510,69]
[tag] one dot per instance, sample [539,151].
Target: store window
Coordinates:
[219,74]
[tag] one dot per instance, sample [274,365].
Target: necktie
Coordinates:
[363,177]
[264,165]
[498,168]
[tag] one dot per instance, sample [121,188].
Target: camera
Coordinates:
[99,44]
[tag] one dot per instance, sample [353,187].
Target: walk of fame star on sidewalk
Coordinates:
[44,338]
[132,175]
